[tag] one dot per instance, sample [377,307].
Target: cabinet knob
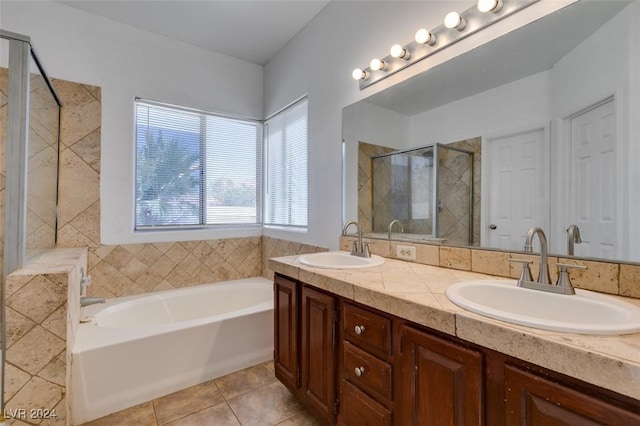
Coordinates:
[359,329]
[359,371]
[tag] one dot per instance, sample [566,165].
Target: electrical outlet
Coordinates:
[406,252]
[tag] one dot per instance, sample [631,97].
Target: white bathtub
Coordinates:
[143,347]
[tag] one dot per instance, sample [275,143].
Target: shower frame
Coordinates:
[436,183]
[21,51]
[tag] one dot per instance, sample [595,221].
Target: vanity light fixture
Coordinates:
[453,20]
[429,42]
[423,36]
[359,74]
[398,51]
[493,6]
[376,64]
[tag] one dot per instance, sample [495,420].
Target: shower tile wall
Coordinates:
[365,182]
[453,221]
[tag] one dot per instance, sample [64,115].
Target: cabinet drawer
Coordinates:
[358,409]
[368,372]
[367,329]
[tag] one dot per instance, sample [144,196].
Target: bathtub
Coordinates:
[142,347]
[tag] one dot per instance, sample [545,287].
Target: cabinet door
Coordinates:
[533,400]
[286,342]
[441,381]
[318,352]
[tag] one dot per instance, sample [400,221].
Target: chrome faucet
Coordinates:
[573,237]
[393,222]
[543,276]
[86,301]
[357,249]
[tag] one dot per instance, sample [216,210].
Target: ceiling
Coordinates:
[252,30]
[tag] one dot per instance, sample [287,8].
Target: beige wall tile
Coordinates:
[455,258]
[428,254]
[490,262]
[14,380]
[37,393]
[17,326]
[23,355]
[599,276]
[38,299]
[630,280]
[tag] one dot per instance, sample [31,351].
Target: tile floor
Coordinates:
[252,396]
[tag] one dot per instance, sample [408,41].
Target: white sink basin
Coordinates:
[585,312]
[339,260]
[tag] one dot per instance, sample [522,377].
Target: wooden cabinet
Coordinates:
[441,381]
[353,365]
[286,342]
[534,400]
[318,337]
[305,348]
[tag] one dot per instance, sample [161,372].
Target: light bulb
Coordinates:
[358,74]
[454,20]
[425,37]
[376,64]
[398,51]
[489,5]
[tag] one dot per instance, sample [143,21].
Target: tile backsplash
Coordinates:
[605,277]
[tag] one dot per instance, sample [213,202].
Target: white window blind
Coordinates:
[195,168]
[286,177]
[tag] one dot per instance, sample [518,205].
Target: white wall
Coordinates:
[319,61]
[125,63]
[366,122]
[513,106]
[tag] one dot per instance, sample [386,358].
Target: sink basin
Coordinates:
[339,260]
[585,312]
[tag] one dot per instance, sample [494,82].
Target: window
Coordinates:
[195,168]
[286,177]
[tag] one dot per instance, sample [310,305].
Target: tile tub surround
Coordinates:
[602,276]
[41,328]
[416,292]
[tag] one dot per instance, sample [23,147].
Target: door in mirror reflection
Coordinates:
[594,204]
[515,171]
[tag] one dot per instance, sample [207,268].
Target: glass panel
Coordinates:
[42,178]
[4,87]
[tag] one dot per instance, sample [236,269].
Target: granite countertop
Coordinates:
[416,292]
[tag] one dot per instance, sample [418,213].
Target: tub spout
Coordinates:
[86,301]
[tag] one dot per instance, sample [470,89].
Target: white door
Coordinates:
[516,189]
[593,181]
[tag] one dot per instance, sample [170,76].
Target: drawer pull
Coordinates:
[359,371]
[359,329]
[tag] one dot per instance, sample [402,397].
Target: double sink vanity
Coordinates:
[381,341]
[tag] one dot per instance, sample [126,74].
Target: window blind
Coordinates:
[286,151]
[195,168]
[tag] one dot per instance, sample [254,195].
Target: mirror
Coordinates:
[550,106]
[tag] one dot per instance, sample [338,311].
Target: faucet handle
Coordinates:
[564,281]
[525,272]
[354,247]
[366,252]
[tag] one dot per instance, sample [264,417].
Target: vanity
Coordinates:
[383,346]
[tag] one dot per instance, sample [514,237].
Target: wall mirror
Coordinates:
[548,112]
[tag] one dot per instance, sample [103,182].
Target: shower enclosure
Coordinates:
[428,189]
[29,157]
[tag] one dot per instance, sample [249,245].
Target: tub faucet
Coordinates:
[357,249]
[573,237]
[393,222]
[86,301]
